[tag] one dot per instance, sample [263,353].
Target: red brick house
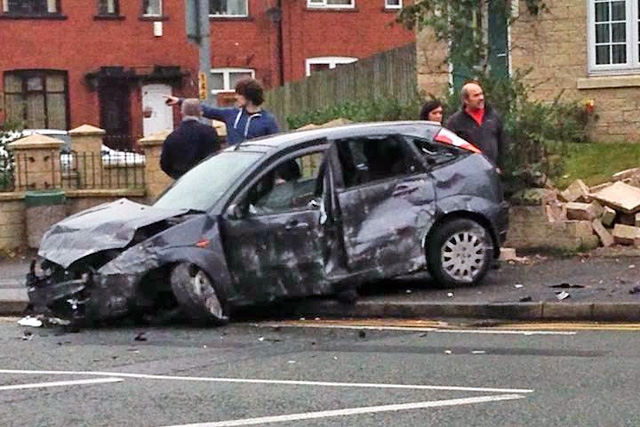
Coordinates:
[108,62]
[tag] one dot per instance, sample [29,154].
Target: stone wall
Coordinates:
[554,46]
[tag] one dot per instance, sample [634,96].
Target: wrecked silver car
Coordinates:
[303,213]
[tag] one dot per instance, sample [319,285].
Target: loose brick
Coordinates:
[626,234]
[608,216]
[605,237]
[583,211]
[576,192]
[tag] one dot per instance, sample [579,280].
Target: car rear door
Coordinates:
[385,205]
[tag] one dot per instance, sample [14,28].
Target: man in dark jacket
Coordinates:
[479,124]
[191,142]
[248,119]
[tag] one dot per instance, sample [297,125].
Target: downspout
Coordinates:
[280,43]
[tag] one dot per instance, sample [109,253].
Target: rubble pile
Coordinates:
[612,209]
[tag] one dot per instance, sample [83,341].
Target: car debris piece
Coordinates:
[27,336]
[140,337]
[30,321]
[565,285]
[635,289]
[562,295]
[518,286]
[525,299]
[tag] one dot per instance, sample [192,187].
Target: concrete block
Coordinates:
[626,234]
[581,229]
[599,187]
[576,192]
[583,211]
[629,173]
[608,216]
[620,196]
[508,254]
[637,218]
[605,237]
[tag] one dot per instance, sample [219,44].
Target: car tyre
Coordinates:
[459,252]
[197,296]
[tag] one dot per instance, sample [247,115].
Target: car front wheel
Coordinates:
[197,295]
[459,252]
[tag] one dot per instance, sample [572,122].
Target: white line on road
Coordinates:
[418,329]
[60,384]
[275,382]
[354,411]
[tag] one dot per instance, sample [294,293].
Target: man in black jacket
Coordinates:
[479,124]
[191,142]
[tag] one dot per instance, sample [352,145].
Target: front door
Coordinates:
[386,203]
[115,113]
[275,245]
[157,116]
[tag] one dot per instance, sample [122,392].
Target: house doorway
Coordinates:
[115,113]
[156,116]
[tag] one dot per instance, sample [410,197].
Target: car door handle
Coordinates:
[295,224]
[402,190]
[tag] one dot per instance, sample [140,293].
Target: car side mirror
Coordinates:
[235,211]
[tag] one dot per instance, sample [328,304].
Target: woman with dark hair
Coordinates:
[432,111]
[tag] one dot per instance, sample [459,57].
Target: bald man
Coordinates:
[479,124]
[191,142]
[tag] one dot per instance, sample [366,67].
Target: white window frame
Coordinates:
[227,15]
[155,14]
[226,78]
[633,62]
[393,6]
[332,61]
[322,4]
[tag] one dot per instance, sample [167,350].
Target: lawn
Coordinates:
[594,163]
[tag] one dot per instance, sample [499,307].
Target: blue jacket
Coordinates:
[242,125]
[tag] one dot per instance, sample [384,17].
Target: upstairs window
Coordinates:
[393,4]
[223,8]
[31,7]
[151,7]
[225,79]
[37,99]
[613,36]
[108,8]
[331,3]
[314,65]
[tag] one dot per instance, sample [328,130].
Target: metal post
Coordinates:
[205,47]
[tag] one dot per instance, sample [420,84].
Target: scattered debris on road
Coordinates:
[562,295]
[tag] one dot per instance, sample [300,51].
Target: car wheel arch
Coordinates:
[461,214]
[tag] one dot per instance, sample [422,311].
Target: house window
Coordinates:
[393,4]
[228,8]
[225,79]
[331,3]
[151,7]
[31,7]
[37,99]
[613,36]
[108,8]
[326,63]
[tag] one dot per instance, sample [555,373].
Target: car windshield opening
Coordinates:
[203,185]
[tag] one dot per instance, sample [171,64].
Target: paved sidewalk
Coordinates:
[600,287]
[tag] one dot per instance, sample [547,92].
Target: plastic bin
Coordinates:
[43,209]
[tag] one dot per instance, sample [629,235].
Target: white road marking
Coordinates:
[354,411]
[274,382]
[418,329]
[60,384]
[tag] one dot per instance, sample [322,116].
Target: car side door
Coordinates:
[272,233]
[386,204]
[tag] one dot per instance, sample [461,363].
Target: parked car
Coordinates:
[109,156]
[297,214]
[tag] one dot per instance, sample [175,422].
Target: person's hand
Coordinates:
[171,100]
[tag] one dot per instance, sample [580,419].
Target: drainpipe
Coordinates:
[280,42]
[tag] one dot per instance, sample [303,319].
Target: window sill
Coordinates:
[219,18]
[393,10]
[153,18]
[607,82]
[332,9]
[108,17]
[52,16]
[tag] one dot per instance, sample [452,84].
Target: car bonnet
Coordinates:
[107,226]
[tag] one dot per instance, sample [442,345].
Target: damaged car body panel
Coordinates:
[292,215]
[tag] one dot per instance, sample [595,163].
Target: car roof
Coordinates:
[291,138]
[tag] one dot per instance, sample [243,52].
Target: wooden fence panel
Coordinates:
[387,74]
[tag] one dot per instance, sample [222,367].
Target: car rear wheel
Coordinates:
[459,252]
[197,295]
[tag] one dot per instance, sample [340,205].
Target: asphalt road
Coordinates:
[288,376]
